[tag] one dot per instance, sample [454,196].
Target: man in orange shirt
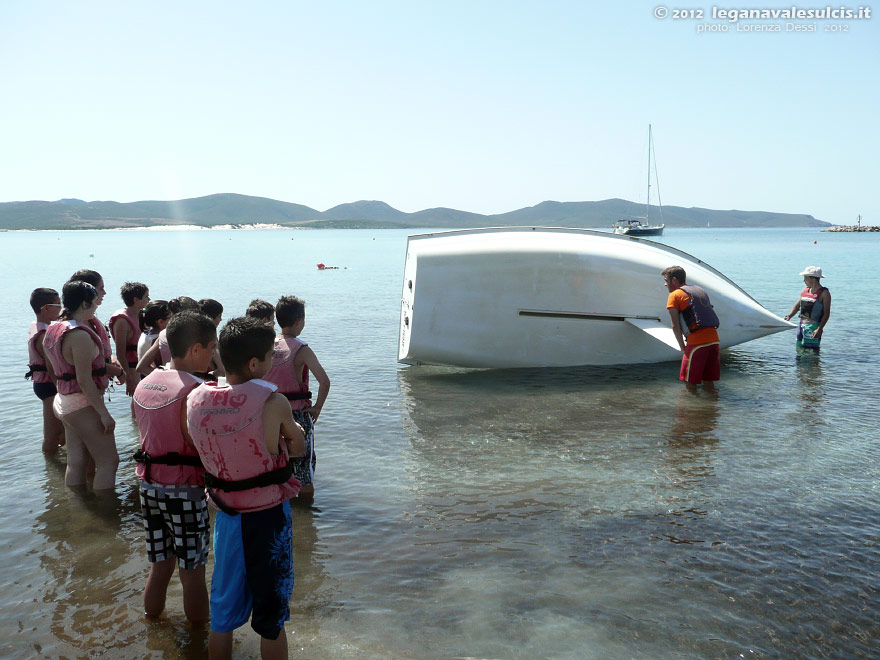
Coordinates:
[690,304]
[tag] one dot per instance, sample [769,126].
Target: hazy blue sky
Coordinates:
[479,105]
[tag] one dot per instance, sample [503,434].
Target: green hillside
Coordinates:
[233,209]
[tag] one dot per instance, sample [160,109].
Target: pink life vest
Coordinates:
[101,330]
[226,425]
[283,375]
[131,348]
[165,457]
[36,364]
[65,373]
[164,348]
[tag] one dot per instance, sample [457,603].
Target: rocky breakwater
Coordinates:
[852,228]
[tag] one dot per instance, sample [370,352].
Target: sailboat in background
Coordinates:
[636,226]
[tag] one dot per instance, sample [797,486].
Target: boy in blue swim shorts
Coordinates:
[237,428]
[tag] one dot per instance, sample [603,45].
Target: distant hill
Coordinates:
[233,209]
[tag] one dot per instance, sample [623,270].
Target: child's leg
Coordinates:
[77,457]
[220,645]
[157,585]
[306,495]
[53,429]
[195,594]
[101,446]
[274,649]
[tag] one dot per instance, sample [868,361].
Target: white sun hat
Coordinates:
[812,271]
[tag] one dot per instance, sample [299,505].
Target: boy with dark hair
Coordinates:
[260,309]
[46,304]
[214,310]
[127,332]
[237,429]
[292,361]
[172,490]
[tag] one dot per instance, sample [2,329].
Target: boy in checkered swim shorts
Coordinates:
[172,488]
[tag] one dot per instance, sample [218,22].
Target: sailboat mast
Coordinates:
[648,201]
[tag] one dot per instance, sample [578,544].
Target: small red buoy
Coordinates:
[815,242]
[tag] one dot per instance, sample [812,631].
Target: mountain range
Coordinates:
[234,209]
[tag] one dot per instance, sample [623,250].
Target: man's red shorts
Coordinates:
[701,363]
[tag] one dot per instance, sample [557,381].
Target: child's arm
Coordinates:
[184,427]
[145,364]
[121,333]
[311,361]
[278,422]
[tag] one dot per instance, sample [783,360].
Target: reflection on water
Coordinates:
[87,550]
[535,491]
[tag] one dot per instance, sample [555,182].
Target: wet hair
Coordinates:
[188,328]
[210,307]
[244,338]
[42,296]
[677,272]
[289,310]
[260,309]
[155,311]
[73,294]
[177,305]
[93,277]
[132,290]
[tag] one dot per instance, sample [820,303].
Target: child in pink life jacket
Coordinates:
[156,317]
[113,366]
[159,351]
[291,363]
[213,310]
[245,433]
[47,306]
[126,326]
[78,359]
[172,491]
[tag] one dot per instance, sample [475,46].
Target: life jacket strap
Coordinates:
[33,368]
[95,372]
[297,396]
[273,478]
[171,458]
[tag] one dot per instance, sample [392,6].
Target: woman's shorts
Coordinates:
[65,404]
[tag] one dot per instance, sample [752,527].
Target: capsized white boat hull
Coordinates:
[544,297]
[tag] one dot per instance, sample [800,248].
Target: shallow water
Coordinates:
[571,513]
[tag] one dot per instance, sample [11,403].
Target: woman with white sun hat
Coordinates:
[814,305]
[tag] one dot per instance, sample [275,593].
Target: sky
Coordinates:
[479,105]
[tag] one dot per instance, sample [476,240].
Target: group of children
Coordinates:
[228,420]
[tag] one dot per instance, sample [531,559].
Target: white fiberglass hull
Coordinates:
[542,297]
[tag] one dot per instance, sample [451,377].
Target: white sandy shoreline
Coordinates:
[247,227]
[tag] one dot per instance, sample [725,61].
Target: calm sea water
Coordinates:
[564,513]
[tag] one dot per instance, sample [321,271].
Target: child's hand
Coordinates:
[314,412]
